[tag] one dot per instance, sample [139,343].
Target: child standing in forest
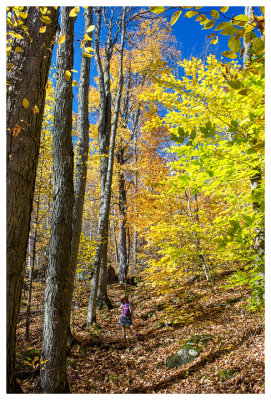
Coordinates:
[126,316]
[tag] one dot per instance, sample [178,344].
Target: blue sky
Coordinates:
[189,33]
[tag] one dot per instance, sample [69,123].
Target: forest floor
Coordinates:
[101,361]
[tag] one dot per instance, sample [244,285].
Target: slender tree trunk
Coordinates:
[32,255]
[115,243]
[27,76]
[59,285]
[107,161]
[83,146]
[195,219]
[123,264]
[247,45]
[135,239]
[128,246]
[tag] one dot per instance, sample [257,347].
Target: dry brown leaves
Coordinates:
[103,362]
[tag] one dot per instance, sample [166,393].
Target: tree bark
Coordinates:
[123,264]
[107,135]
[32,255]
[27,76]
[83,145]
[247,45]
[59,285]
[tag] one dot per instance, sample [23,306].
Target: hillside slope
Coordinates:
[101,361]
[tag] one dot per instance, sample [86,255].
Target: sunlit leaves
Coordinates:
[209,24]
[214,40]
[224,9]
[229,54]
[47,20]
[222,25]
[175,17]
[258,46]
[25,103]
[23,15]
[43,10]
[88,49]
[67,75]
[208,130]
[91,28]
[36,109]
[74,12]
[157,10]
[16,35]
[241,20]
[215,14]
[235,84]
[234,44]
[43,29]
[229,30]
[62,39]
[16,130]
[190,14]
[88,55]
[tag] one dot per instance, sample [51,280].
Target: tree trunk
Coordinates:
[115,242]
[195,219]
[59,285]
[102,296]
[32,255]
[123,264]
[247,45]
[27,76]
[83,146]
[106,133]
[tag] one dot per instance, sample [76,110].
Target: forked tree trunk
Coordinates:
[107,135]
[27,75]
[59,285]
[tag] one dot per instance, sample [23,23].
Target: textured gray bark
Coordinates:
[59,285]
[122,158]
[135,179]
[83,146]
[247,45]
[27,79]
[123,262]
[107,135]
[102,296]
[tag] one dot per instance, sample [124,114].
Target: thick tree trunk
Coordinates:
[27,76]
[59,285]
[106,133]
[102,296]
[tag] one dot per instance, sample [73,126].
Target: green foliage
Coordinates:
[219,134]
[239,26]
[85,257]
